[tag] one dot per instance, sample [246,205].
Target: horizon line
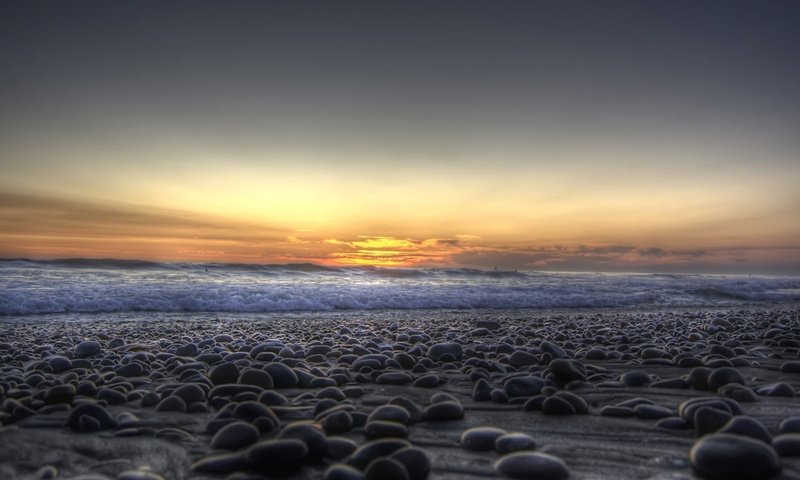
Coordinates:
[522,269]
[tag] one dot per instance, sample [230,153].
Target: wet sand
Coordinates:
[607,394]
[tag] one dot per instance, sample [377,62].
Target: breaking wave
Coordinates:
[109,285]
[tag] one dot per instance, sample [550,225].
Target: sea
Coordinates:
[81,289]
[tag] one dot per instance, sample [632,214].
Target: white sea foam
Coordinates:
[128,286]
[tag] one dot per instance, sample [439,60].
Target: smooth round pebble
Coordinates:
[528,465]
[343,472]
[269,454]
[441,411]
[480,438]
[787,444]
[416,461]
[436,351]
[234,436]
[386,468]
[513,442]
[87,349]
[724,456]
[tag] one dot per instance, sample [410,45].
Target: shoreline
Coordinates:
[598,392]
[388,313]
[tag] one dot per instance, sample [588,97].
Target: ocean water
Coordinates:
[82,286]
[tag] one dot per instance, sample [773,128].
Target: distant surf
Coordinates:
[107,285]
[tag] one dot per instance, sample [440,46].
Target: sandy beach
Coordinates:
[606,394]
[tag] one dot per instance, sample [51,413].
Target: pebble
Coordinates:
[790,425]
[528,465]
[171,404]
[578,403]
[427,381]
[139,475]
[60,394]
[337,422]
[652,412]
[415,461]
[47,472]
[310,434]
[780,389]
[87,349]
[393,413]
[129,370]
[724,457]
[224,373]
[412,408]
[448,410]
[723,376]
[557,406]
[339,447]
[386,468]
[521,358]
[190,393]
[787,444]
[566,370]
[698,378]
[748,426]
[371,450]
[221,463]
[272,398]
[267,455]
[90,410]
[709,420]
[499,396]
[282,376]
[552,349]
[526,386]
[384,428]
[513,442]
[235,436]
[437,351]
[250,411]
[635,379]
[740,393]
[187,350]
[617,411]
[481,438]
[255,377]
[343,472]
[791,367]
[59,364]
[672,423]
[394,378]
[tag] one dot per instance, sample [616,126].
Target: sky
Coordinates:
[551,135]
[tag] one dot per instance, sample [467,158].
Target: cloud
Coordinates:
[30,214]
[624,258]
[500,259]
[652,252]
[446,241]
[41,226]
[48,227]
[607,249]
[392,251]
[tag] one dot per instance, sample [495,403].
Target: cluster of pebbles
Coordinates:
[662,395]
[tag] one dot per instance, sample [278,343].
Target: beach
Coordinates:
[585,393]
[414,240]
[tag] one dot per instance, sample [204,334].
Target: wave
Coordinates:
[109,285]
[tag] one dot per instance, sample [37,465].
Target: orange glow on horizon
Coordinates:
[44,228]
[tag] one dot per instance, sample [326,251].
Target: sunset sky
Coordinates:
[552,135]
